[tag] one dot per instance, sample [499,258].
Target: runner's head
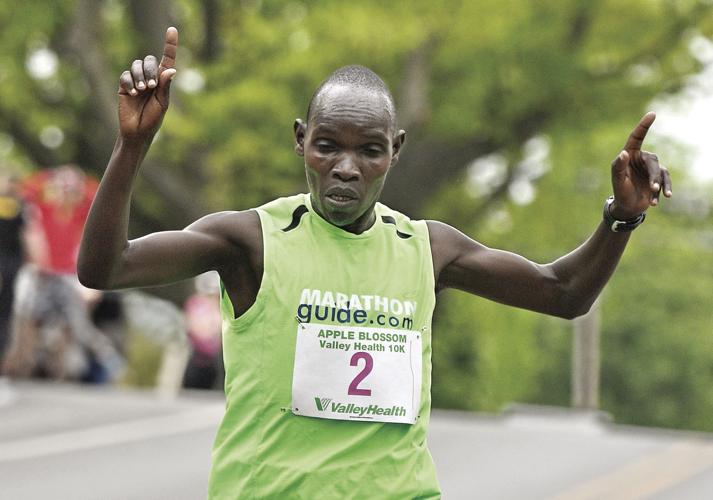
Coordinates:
[349,143]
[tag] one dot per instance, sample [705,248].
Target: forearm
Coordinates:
[568,286]
[582,274]
[106,232]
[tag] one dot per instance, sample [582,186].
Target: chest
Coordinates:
[349,281]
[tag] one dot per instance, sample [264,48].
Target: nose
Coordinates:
[346,169]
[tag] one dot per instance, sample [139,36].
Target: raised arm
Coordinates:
[106,258]
[568,286]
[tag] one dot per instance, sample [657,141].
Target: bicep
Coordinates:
[170,256]
[166,257]
[498,275]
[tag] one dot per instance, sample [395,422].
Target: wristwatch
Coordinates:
[620,226]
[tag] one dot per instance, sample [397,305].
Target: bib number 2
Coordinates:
[354,389]
[355,373]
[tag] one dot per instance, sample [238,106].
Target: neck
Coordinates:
[358,226]
[362,223]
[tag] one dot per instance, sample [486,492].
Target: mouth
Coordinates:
[340,198]
[341,195]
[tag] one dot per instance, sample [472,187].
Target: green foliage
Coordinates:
[485,357]
[472,80]
[657,349]
[657,355]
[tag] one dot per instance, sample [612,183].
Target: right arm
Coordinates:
[107,259]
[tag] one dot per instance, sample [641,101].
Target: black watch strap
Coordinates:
[620,226]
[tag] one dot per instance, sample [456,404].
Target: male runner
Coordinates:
[327,297]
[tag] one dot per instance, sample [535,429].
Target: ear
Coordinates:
[300,131]
[399,140]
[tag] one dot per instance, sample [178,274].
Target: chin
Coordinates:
[341,219]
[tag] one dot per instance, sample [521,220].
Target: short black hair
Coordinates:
[360,77]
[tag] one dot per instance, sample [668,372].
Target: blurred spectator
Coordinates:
[205,366]
[60,199]
[163,325]
[107,313]
[12,222]
[53,334]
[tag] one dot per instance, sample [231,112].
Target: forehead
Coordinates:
[343,106]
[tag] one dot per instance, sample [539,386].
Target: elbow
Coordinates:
[86,273]
[90,280]
[571,314]
[96,271]
[92,276]
[573,307]
[568,300]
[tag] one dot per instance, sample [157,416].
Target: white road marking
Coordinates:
[112,434]
[649,475]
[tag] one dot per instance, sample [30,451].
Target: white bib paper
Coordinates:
[356,373]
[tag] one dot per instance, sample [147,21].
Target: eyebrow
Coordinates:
[375,135]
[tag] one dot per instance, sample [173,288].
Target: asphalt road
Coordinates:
[66,442]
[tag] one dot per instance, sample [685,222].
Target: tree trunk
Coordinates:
[585,359]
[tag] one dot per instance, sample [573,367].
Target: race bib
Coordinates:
[356,373]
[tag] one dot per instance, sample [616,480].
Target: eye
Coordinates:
[373,150]
[325,147]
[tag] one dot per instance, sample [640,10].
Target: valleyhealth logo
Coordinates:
[357,411]
[322,404]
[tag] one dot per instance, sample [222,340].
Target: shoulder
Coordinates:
[444,241]
[285,203]
[404,224]
[245,228]
[282,212]
[241,228]
[441,232]
[449,245]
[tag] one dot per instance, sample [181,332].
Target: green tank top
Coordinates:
[377,285]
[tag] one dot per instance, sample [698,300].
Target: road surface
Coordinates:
[68,442]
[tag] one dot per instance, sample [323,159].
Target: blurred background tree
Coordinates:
[514,110]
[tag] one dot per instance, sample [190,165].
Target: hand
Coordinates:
[144,90]
[637,177]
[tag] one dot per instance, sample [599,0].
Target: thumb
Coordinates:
[164,86]
[620,163]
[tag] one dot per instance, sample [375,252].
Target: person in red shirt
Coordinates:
[50,309]
[60,198]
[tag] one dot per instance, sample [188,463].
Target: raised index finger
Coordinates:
[168,60]
[636,138]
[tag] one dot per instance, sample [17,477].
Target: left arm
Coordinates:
[568,286]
